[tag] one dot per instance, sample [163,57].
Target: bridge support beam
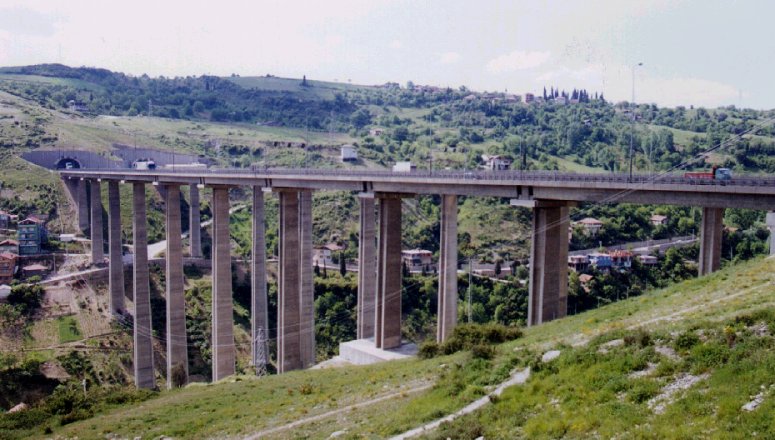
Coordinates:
[143,348]
[195,223]
[710,240]
[387,332]
[177,348]
[548,296]
[82,201]
[771,226]
[97,238]
[258,302]
[116,267]
[447,303]
[222,308]
[367,268]
[295,323]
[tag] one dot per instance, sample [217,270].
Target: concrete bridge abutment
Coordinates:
[710,240]
[447,302]
[387,331]
[367,267]
[548,287]
[177,342]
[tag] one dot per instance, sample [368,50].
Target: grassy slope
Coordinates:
[252,405]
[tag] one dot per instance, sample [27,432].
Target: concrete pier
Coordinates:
[222,308]
[387,332]
[143,347]
[177,348]
[367,268]
[447,303]
[97,238]
[82,200]
[295,323]
[195,223]
[548,296]
[710,240]
[259,323]
[770,221]
[116,268]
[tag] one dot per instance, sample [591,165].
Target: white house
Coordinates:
[349,154]
[591,225]
[496,163]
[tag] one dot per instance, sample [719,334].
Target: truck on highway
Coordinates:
[404,167]
[715,173]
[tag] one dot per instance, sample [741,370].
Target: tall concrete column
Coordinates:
[177,349]
[307,288]
[259,324]
[710,240]
[116,269]
[195,223]
[447,303]
[143,348]
[289,284]
[222,308]
[82,200]
[548,297]
[387,332]
[97,238]
[771,226]
[296,321]
[367,268]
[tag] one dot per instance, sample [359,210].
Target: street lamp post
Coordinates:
[632,117]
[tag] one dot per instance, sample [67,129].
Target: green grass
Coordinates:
[68,329]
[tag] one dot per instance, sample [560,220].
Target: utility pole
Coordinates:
[632,115]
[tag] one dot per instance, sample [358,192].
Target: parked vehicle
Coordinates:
[715,173]
[144,164]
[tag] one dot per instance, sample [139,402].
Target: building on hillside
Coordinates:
[348,153]
[578,263]
[31,234]
[5,220]
[376,132]
[529,97]
[34,270]
[496,162]
[601,261]
[10,246]
[417,259]
[591,225]
[7,267]
[658,220]
[621,259]
[322,255]
[5,292]
[584,280]
[648,260]
[560,100]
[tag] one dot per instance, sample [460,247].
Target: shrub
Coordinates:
[428,349]
[178,376]
[482,351]
[23,419]
[685,341]
[640,338]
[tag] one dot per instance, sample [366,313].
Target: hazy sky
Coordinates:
[703,52]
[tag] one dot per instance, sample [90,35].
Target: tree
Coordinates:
[342,265]
[317,269]
[497,269]
[304,81]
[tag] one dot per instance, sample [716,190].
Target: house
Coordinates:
[658,220]
[591,225]
[10,246]
[648,260]
[417,259]
[34,270]
[5,220]
[584,280]
[376,132]
[601,261]
[496,163]
[560,100]
[348,153]
[578,263]
[621,259]
[7,267]
[321,255]
[529,97]
[5,292]
[31,235]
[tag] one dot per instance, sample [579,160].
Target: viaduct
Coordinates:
[548,194]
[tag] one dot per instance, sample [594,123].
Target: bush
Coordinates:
[640,338]
[482,351]
[23,419]
[685,341]
[428,349]
[178,376]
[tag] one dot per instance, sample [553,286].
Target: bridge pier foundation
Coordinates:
[116,265]
[195,223]
[367,268]
[222,308]
[97,238]
[258,304]
[447,302]
[177,343]
[295,323]
[143,348]
[771,226]
[548,296]
[387,333]
[710,240]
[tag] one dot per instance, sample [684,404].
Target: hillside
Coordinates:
[613,376]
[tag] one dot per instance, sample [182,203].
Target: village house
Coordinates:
[601,261]
[584,280]
[7,267]
[578,263]
[31,235]
[376,132]
[621,259]
[658,220]
[10,246]
[322,255]
[648,260]
[591,225]
[5,220]
[34,270]
[417,259]
[496,162]
[529,97]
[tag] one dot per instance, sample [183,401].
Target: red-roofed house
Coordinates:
[7,267]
